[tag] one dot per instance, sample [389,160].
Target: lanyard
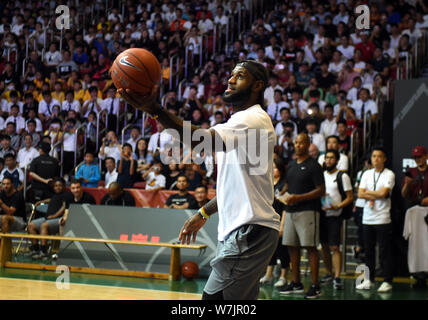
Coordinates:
[376,180]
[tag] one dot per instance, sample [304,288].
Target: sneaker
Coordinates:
[384,287]
[40,255]
[280,283]
[327,278]
[266,280]
[313,292]
[337,284]
[291,288]
[365,285]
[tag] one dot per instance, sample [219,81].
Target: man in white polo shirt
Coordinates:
[248,229]
[375,187]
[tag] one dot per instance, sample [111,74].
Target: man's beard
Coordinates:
[237,98]
[330,168]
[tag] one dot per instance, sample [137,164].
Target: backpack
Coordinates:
[347,212]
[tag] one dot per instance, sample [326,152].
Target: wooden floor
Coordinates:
[20,289]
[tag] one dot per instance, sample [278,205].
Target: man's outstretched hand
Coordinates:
[146,103]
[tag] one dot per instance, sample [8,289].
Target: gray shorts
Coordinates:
[301,229]
[18,224]
[241,261]
[52,223]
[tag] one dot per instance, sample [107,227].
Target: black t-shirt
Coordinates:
[16,200]
[344,144]
[303,178]
[177,199]
[126,200]
[86,198]
[46,167]
[56,202]
[278,205]
[124,179]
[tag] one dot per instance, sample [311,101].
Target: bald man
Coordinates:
[116,196]
[302,193]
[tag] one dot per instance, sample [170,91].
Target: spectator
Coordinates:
[183,199]
[12,171]
[313,151]
[270,91]
[116,196]
[12,208]
[52,58]
[377,226]
[89,172]
[285,118]
[69,103]
[110,147]
[134,138]
[155,180]
[110,105]
[159,140]
[93,103]
[42,171]
[415,183]
[14,138]
[49,224]
[358,212]
[201,196]
[274,109]
[126,167]
[171,176]
[111,174]
[16,119]
[344,139]
[281,252]
[6,146]
[67,65]
[68,139]
[364,104]
[27,152]
[143,157]
[333,144]
[329,125]
[38,128]
[315,137]
[302,191]
[46,106]
[330,220]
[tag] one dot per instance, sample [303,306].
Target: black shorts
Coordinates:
[330,228]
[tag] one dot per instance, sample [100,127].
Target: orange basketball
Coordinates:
[189,270]
[136,69]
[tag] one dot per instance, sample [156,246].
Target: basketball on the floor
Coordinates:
[136,69]
[189,270]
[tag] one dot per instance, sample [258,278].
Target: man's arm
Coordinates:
[167,119]
[317,193]
[374,195]
[35,176]
[59,213]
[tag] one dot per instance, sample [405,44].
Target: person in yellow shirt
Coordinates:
[79,93]
[87,95]
[58,93]
[38,80]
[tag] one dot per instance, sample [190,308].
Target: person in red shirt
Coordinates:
[366,47]
[179,18]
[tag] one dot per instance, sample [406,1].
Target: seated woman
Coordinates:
[143,157]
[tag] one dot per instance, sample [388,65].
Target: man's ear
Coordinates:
[258,85]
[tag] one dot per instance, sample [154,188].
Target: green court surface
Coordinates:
[402,289]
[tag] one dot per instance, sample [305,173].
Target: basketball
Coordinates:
[189,270]
[136,69]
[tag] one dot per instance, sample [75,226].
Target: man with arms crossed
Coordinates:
[375,187]
[248,224]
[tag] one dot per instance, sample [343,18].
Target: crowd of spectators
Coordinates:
[325,75]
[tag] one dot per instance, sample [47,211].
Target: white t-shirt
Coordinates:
[155,181]
[332,190]
[380,213]
[69,142]
[416,231]
[25,156]
[253,176]
[370,105]
[110,178]
[318,140]
[67,106]
[347,52]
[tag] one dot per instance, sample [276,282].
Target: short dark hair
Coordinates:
[332,137]
[183,175]
[76,181]
[379,148]
[335,152]
[202,186]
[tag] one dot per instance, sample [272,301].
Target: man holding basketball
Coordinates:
[248,228]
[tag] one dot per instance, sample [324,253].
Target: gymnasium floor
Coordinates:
[21,284]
